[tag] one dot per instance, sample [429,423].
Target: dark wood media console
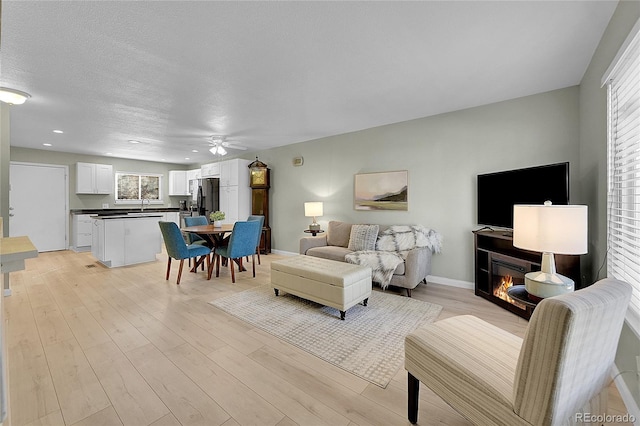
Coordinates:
[498,265]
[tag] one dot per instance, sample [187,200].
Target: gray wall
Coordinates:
[94,201]
[593,167]
[443,155]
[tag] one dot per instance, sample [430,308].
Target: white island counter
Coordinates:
[126,239]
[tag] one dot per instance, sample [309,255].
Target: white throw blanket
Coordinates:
[392,248]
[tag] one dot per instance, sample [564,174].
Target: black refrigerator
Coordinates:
[208,196]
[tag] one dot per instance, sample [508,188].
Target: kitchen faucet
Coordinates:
[142,203]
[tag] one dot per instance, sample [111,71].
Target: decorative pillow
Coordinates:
[363,237]
[338,233]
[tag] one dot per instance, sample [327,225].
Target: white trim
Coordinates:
[284,253]
[635,31]
[450,282]
[633,321]
[430,278]
[626,394]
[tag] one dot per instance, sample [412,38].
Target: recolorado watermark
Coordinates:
[605,418]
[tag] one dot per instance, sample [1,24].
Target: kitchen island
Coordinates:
[128,239]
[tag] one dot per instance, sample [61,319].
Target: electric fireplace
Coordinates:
[505,272]
[499,265]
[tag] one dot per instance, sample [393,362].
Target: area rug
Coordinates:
[368,343]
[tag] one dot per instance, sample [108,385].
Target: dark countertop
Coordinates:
[109,212]
[139,215]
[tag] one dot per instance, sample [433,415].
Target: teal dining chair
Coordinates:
[178,249]
[195,221]
[260,219]
[241,243]
[195,238]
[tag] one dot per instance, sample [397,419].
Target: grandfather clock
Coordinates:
[259,183]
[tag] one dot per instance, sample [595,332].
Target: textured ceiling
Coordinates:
[266,74]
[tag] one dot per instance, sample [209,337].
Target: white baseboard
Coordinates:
[284,253]
[450,282]
[627,397]
[430,278]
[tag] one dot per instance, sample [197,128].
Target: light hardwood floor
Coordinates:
[95,346]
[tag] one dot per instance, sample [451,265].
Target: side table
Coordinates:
[314,232]
[519,293]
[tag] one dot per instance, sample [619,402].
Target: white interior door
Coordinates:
[38,201]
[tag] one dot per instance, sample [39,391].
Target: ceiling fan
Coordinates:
[219,145]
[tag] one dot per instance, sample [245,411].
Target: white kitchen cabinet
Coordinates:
[235,193]
[178,183]
[229,203]
[104,179]
[234,172]
[97,239]
[82,225]
[227,171]
[172,217]
[126,241]
[193,174]
[210,170]
[94,178]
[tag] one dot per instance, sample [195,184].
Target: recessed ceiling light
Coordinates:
[109,153]
[133,141]
[47,144]
[194,150]
[186,158]
[58,131]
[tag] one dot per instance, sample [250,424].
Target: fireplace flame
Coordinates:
[501,291]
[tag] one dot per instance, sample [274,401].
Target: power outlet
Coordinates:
[105,205]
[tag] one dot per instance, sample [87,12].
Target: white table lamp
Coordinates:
[313,209]
[549,229]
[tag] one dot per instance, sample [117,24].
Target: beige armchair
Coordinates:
[556,375]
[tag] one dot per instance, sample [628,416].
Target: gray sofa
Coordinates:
[334,246]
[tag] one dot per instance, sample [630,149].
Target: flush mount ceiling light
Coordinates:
[12,96]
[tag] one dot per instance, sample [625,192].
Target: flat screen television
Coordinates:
[498,192]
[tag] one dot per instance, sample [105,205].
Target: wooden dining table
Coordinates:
[214,235]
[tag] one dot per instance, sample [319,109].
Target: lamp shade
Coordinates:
[552,229]
[313,209]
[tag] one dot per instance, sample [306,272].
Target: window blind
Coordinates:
[623,216]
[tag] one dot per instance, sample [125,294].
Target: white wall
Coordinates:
[443,155]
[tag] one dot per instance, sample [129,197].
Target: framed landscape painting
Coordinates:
[381,191]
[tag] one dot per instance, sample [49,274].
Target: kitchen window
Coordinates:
[133,188]
[623,215]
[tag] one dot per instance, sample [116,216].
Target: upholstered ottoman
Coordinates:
[330,283]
